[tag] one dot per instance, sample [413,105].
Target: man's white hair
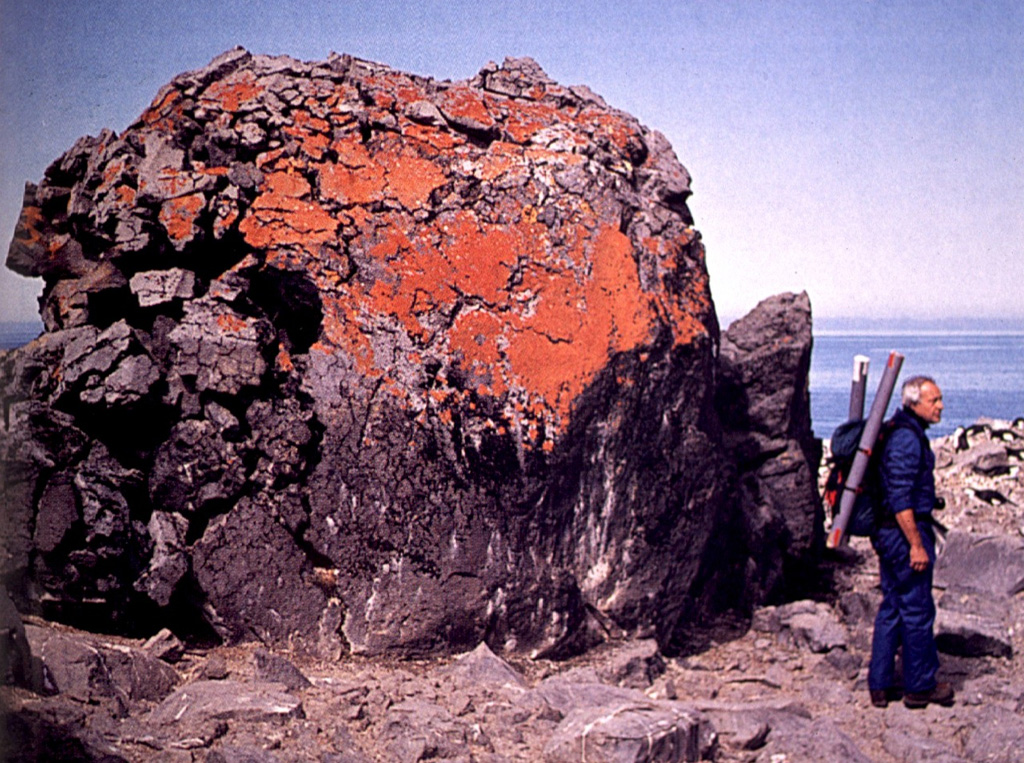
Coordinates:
[912,388]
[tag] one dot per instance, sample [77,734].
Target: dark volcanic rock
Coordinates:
[89,670]
[764,400]
[352,359]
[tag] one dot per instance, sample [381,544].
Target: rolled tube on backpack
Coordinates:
[867,441]
[857,389]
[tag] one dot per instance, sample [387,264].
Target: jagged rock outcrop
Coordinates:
[358,360]
[764,399]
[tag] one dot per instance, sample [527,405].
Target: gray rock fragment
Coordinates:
[169,561]
[203,701]
[274,668]
[89,669]
[973,624]
[809,624]
[634,663]
[157,287]
[220,348]
[989,563]
[648,731]
[165,646]
[416,730]
[16,667]
[236,754]
[482,667]
[764,402]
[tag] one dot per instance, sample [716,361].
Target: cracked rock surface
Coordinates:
[357,361]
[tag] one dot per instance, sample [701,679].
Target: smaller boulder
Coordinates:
[276,669]
[200,702]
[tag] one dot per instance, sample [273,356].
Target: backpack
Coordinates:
[868,508]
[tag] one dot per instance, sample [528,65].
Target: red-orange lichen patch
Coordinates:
[440,140]
[268,158]
[482,256]
[287,184]
[30,225]
[165,112]
[355,179]
[546,156]
[234,90]
[412,179]
[465,104]
[497,162]
[276,219]
[283,361]
[178,216]
[341,327]
[574,329]
[311,132]
[113,174]
[621,133]
[125,195]
[525,120]
[230,323]
[474,338]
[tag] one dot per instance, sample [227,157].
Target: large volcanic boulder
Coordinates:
[358,360]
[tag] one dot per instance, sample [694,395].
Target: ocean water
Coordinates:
[981,374]
[16,333]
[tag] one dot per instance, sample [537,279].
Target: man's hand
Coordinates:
[919,560]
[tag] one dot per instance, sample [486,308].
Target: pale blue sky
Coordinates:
[869,152]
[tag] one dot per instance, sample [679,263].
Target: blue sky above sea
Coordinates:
[869,152]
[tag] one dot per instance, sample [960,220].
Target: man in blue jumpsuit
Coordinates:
[905,544]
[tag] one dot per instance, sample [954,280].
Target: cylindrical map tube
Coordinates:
[857,389]
[867,441]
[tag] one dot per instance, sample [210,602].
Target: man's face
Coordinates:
[930,406]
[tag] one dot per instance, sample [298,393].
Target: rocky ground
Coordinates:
[787,686]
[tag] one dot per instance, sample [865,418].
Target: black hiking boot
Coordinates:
[882,697]
[942,694]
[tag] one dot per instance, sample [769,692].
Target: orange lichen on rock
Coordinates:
[461,103]
[576,327]
[178,216]
[165,112]
[437,140]
[411,179]
[280,216]
[230,323]
[475,338]
[125,195]
[311,132]
[234,90]
[682,306]
[30,225]
[481,228]
[481,256]
[341,329]
[527,119]
[283,361]
[355,179]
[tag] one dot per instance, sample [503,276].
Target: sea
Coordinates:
[981,373]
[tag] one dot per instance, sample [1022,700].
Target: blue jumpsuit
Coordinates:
[907,614]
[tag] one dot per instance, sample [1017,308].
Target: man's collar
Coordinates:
[914,417]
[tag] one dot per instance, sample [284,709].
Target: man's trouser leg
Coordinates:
[909,593]
[886,638]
